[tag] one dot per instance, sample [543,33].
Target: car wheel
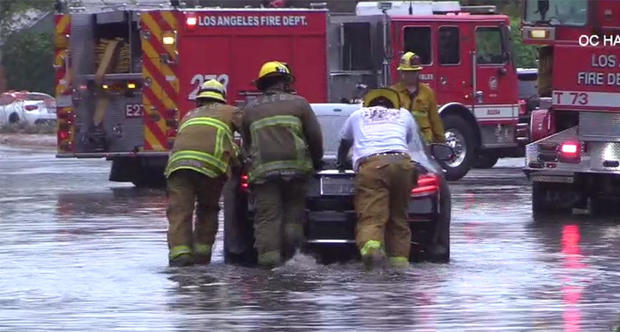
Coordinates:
[149,175]
[238,228]
[459,136]
[13,118]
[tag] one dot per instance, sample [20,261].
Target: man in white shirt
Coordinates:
[379,134]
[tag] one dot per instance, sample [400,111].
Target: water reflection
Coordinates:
[572,288]
[80,253]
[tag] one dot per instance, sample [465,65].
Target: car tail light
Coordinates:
[31,107]
[570,152]
[245,185]
[427,184]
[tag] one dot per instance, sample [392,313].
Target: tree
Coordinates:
[10,9]
[525,55]
[26,56]
[27,59]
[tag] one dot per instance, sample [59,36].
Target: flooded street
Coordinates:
[81,253]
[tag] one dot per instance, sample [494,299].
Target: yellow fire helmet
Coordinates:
[410,62]
[212,89]
[373,97]
[274,68]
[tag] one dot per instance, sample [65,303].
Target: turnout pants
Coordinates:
[186,189]
[279,220]
[383,188]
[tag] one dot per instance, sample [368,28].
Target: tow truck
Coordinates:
[574,158]
[127,74]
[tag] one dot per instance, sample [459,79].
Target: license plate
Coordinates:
[339,186]
[554,179]
[134,111]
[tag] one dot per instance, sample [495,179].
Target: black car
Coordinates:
[331,217]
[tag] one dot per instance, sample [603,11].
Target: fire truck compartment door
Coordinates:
[495,86]
[454,65]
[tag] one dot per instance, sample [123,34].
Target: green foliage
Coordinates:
[27,59]
[525,54]
[9,10]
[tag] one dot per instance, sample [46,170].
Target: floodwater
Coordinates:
[81,253]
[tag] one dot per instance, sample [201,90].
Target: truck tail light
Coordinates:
[31,107]
[522,107]
[427,184]
[245,185]
[570,149]
[64,135]
[570,152]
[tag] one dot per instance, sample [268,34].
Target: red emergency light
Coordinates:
[244,183]
[191,21]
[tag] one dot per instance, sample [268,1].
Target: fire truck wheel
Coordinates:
[459,136]
[486,161]
[149,181]
[149,177]
[238,227]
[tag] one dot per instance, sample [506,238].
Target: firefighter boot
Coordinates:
[398,262]
[202,254]
[373,255]
[180,256]
[270,259]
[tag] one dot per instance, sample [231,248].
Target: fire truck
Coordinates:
[126,75]
[574,158]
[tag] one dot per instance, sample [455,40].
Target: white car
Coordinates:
[31,108]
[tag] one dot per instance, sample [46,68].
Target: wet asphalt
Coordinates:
[80,253]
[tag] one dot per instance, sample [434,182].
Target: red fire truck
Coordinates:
[126,76]
[574,160]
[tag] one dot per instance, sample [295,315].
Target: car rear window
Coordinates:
[332,123]
[331,126]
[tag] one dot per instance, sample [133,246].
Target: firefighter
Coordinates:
[379,134]
[419,98]
[283,139]
[199,164]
